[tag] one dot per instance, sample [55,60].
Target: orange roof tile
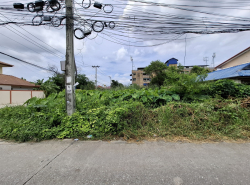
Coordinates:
[12,80]
[2,64]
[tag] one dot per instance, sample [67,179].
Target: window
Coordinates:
[146,79]
[1,88]
[134,74]
[134,79]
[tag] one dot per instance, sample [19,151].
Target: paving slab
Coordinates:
[72,162]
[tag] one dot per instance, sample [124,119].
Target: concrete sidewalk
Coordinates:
[95,162]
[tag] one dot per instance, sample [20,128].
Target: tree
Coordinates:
[156,70]
[199,70]
[115,84]
[48,86]
[188,86]
[84,82]
[56,83]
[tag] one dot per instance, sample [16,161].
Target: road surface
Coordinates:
[72,162]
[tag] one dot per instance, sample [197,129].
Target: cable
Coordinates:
[37,66]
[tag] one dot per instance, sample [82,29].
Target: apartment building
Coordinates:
[139,77]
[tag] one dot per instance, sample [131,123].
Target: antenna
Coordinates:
[206,59]
[214,55]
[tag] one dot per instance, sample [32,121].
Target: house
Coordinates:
[239,73]
[2,64]
[236,68]
[15,91]
[8,82]
[241,58]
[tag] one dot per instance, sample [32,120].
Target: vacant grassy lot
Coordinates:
[131,114]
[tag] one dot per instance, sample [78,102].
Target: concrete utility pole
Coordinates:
[132,62]
[110,80]
[70,66]
[96,75]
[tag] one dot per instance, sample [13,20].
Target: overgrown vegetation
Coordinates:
[185,106]
[56,83]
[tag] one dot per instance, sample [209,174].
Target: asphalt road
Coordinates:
[86,162]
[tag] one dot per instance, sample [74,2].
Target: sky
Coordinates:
[45,46]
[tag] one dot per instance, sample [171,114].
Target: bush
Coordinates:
[128,113]
[225,88]
[99,113]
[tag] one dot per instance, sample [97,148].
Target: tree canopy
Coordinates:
[156,70]
[115,84]
[56,83]
[199,70]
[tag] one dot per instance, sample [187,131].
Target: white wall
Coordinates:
[21,88]
[38,94]
[18,97]
[5,87]
[4,97]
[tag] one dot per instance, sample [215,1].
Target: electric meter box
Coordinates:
[63,65]
[39,3]
[98,5]
[18,6]
[46,18]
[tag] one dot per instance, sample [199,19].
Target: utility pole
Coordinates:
[132,63]
[214,55]
[96,75]
[132,66]
[70,66]
[206,59]
[110,80]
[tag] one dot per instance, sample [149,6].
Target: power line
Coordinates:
[37,66]
[34,36]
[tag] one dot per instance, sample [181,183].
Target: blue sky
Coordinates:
[113,59]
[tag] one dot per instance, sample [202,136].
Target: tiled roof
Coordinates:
[12,80]
[231,72]
[235,56]
[2,64]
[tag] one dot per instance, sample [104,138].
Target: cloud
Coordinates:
[47,46]
[121,53]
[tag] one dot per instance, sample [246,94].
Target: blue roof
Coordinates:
[171,61]
[236,71]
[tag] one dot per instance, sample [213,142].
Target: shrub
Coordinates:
[226,88]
